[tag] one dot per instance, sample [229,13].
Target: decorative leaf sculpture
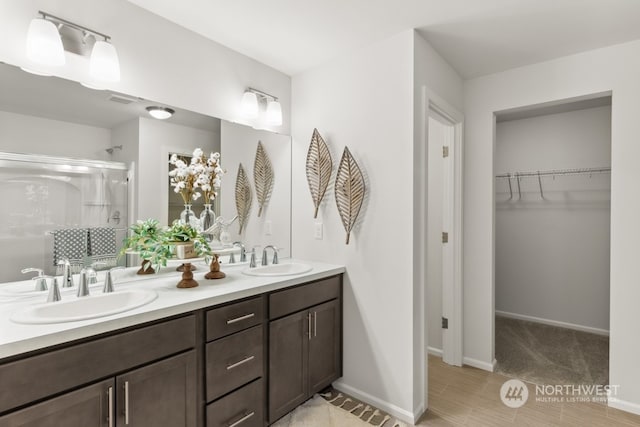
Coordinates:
[243,197]
[262,177]
[319,167]
[349,189]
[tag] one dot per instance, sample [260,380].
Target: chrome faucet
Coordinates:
[108,280]
[54,291]
[252,263]
[67,275]
[83,282]
[243,253]
[264,255]
[40,279]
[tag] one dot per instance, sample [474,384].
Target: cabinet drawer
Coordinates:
[234,361]
[242,408]
[234,317]
[291,300]
[36,377]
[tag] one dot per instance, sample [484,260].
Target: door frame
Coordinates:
[431,101]
[452,292]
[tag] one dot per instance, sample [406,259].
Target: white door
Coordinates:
[443,328]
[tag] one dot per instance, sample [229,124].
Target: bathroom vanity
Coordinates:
[241,351]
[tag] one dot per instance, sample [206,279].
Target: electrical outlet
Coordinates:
[268,228]
[317,232]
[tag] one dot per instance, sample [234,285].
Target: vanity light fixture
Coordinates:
[251,106]
[160,113]
[45,47]
[44,44]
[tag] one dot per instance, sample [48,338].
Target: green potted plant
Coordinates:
[144,238]
[184,241]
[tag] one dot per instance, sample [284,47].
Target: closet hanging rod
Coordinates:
[580,171]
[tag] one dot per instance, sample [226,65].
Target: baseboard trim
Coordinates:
[553,323]
[393,410]
[435,351]
[485,366]
[623,405]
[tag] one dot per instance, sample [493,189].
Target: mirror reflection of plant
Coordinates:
[143,238]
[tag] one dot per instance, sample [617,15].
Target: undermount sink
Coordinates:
[288,269]
[85,308]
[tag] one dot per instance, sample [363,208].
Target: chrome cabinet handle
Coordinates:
[241,420]
[242,362]
[315,323]
[110,406]
[309,325]
[126,402]
[241,318]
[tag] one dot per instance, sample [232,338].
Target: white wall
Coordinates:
[615,69]
[552,254]
[239,144]
[366,101]
[30,134]
[159,60]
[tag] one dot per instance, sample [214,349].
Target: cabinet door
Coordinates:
[325,346]
[288,347]
[159,394]
[87,407]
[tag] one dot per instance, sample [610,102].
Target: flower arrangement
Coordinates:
[208,172]
[200,177]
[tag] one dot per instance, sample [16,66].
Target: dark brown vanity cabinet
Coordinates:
[245,363]
[235,364]
[141,377]
[305,343]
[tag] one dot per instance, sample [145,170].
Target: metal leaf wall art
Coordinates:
[243,197]
[319,167]
[262,177]
[349,189]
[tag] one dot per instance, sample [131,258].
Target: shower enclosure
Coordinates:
[41,194]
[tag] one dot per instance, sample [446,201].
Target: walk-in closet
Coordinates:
[552,238]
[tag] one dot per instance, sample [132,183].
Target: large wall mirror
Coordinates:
[54,121]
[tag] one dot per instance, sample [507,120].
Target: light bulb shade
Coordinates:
[44,45]
[250,104]
[104,65]
[274,113]
[160,113]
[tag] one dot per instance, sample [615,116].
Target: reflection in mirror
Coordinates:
[56,117]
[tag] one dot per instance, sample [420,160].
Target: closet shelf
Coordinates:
[555,172]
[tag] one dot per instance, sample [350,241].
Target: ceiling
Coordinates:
[476,37]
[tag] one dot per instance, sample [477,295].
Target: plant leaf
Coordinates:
[319,166]
[349,189]
[243,197]
[262,177]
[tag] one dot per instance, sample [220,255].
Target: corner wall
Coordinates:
[615,69]
[369,101]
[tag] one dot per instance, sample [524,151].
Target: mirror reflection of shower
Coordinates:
[46,194]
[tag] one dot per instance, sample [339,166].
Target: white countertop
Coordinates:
[18,338]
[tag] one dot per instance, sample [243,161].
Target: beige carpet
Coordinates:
[544,354]
[319,412]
